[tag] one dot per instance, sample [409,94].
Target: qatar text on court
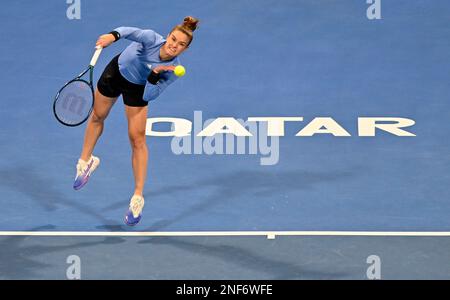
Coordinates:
[367,126]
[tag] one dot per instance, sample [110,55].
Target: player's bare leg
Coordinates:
[87,162]
[94,128]
[137,120]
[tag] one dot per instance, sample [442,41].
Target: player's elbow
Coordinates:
[151,96]
[151,92]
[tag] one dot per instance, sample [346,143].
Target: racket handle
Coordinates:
[97,52]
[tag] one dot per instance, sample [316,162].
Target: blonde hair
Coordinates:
[188,27]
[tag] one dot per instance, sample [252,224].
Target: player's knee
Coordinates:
[98,117]
[137,139]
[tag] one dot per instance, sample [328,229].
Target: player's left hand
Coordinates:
[160,69]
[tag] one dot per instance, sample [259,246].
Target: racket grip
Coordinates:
[97,52]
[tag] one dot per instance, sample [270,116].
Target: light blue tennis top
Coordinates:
[141,56]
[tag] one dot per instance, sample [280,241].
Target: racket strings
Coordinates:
[74,102]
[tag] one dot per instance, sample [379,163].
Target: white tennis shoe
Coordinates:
[134,213]
[84,171]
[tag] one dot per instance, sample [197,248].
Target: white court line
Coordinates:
[268,234]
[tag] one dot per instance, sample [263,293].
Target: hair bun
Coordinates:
[190,23]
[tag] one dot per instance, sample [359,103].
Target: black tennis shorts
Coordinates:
[112,84]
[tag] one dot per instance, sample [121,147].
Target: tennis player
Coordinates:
[140,74]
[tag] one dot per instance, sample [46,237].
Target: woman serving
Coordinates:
[140,74]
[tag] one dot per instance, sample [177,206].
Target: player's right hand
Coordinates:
[105,40]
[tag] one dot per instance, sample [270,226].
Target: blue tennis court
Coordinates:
[331,63]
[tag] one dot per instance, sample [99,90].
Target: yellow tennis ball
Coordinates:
[179,70]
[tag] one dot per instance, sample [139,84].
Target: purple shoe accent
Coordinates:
[81,180]
[130,220]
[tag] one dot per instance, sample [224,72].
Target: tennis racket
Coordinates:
[75,100]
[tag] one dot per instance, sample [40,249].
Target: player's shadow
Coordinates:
[237,185]
[20,256]
[233,186]
[267,266]
[32,184]
[225,188]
